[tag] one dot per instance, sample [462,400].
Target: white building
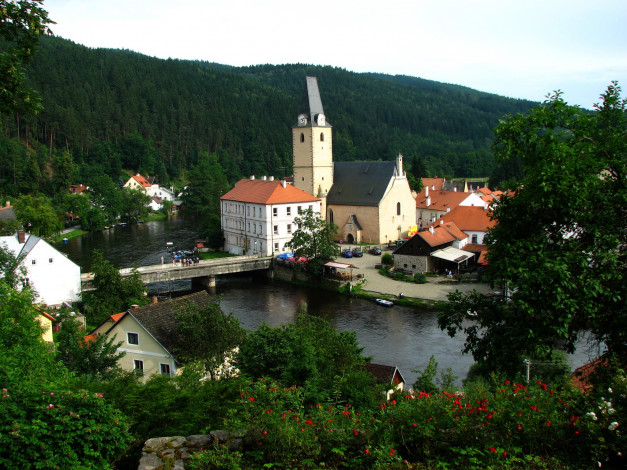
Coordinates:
[257,215]
[53,276]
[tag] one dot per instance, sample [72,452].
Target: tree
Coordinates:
[36,215]
[309,352]
[559,247]
[96,358]
[314,239]
[112,293]
[134,204]
[207,337]
[21,24]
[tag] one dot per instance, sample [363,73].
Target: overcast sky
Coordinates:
[518,48]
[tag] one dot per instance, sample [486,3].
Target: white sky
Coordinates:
[521,49]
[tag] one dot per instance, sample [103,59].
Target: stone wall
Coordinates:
[162,453]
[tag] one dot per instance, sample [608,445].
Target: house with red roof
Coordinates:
[433,204]
[439,248]
[257,215]
[137,181]
[472,220]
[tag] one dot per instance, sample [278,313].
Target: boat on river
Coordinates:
[384,302]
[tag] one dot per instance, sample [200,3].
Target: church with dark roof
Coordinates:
[370,202]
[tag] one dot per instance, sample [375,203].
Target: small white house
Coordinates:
[51,274]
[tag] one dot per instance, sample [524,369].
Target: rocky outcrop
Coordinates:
[172,452]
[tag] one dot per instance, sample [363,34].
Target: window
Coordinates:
[300,209]
[276,229]
[474,239]
[138,366]
[276,247]
[289,211]
[34,261]
[289,228]
[248,210]
[50,260]
[310,207]
[132,338]
[321,137]
[398,208]
[165,369]
[275,211]
[302,137]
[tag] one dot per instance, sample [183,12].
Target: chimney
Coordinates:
[455,189]
[252,177]
[426,191]
[284,183]
[399,165]
[21,237]
[263,178]
[7,204]
[428,201]
[270,178]
[431,230]
[441,222]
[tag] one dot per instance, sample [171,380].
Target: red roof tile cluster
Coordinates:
[440,200]
[435,184]
[142,181]
[266,192]
[442,233]
[468,218]
[77,188]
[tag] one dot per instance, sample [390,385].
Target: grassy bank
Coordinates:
[73,234]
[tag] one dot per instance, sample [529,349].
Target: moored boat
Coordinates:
[384,302]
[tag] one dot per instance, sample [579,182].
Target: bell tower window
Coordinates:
[398,208]
[302,137]
[321,137]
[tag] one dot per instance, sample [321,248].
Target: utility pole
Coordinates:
[527,363]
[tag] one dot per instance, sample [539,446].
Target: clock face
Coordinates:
[321,119]
[302,120]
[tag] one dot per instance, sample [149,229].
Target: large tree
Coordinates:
[21,24]
[314,239]
[560,244]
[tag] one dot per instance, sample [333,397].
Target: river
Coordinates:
[400,336]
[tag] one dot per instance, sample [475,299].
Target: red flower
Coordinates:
[367,452]
[268,411]
[504,454]
[548,423]
[251,399]
[492,449]
[392,451]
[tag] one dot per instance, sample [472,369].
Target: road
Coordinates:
[432,290]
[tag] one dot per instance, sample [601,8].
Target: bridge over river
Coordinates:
[204,272]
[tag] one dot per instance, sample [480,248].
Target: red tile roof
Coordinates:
[435,184]
[442,233]
[468,218]
[142,181]
[266,192]
[440,200]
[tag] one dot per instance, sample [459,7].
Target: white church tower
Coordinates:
[312,147]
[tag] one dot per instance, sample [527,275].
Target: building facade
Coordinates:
[257,215]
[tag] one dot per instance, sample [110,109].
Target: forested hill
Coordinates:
[97,100]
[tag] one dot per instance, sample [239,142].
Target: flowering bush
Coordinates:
[58,429]
[512,426]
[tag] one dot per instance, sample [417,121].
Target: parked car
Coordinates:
[357,253]
[347,254]
[299,260]
[375,251]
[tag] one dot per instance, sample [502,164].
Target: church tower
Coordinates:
[312,146]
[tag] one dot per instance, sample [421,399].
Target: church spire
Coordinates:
[311,111]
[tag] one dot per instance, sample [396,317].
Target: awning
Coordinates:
[452,254]
[333,264]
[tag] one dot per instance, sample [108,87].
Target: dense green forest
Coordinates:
[115,109]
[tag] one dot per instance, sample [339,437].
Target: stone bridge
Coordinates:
[203,272]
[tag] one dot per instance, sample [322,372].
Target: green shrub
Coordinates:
[387,259]
[59,429]
[420,278]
